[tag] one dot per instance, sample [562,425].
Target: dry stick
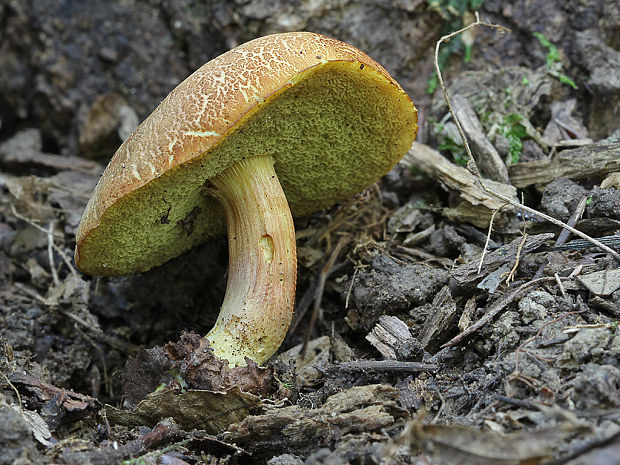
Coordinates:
[100,335]
[441,406]
[486,243]
[384,366]
[12,386]
[346,300]
[560,285]
[50,252]
[30,221]
[496,307]
[597,443]
[517,402]
[33,294]
[319,292]
[511,273]
[565,234]
[471,163]
[56,247]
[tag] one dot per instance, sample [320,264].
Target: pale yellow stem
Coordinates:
[259,300]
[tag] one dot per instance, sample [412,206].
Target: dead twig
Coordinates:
[471,163]
[31,293]
[565,234]
[495,309]
[580,244]
[586,447]
[488,239]
[50,252]
[42,229]
[99,334]
[346,300]
[384,366]
[319,292]
[31,222]
[441,406]
[12,386]
[516,402]
[560,285]
[511,274]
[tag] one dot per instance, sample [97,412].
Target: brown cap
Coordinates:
[333,120]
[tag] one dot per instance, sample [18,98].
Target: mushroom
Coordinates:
[294,119]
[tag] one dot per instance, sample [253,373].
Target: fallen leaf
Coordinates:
[211,411]
[458,445]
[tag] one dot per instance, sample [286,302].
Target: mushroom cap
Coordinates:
[333,120]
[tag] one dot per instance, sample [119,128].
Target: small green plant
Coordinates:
[515,132]
[452,11]
[554,63]
[456,149]
[449,143]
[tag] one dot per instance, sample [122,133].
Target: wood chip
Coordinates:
[590,161]
[468,313]
[388,335]
[455,444]
[438,321]
[477,205]
[298,430]
[601,283]
[613,180]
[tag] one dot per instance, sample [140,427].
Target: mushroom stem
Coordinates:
[260,295]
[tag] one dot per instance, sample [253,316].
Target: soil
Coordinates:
[423,350]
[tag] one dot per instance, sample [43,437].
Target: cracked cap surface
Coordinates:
[333,120]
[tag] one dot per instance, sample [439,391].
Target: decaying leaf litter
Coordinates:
[415,334]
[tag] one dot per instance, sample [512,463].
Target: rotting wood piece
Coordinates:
[491,164]
[392,338]
[468,273]
[477,205]
[25,160]
[595,160]
[298,430]
[439,320]
[581,244]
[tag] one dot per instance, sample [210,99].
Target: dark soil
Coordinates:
[415,356]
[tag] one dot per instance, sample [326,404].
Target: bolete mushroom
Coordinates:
[295,116]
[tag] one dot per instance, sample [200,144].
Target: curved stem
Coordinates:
[260,295]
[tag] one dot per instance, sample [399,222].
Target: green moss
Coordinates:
[334,132]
